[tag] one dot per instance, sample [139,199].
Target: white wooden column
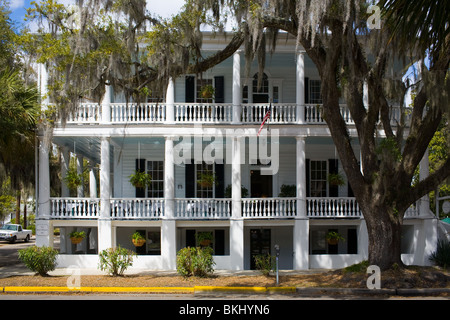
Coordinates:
[301,223]
[170,102]
[65,161]
[424,172]
[300,87]
[105,232]
[236,221]
[301,176]
[92,182]
[168,224]
[44,230]
[237,92]
[80,188]
[106,104]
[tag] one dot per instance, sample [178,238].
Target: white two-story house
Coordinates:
[271,189]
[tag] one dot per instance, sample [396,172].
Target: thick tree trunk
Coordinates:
[384,229]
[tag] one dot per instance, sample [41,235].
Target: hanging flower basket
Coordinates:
[77,237]
[138,243]
[333,238]
[137,239]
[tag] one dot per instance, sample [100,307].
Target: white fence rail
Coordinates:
[332,208]
[86,113]
[74,208]
[269,208]
[280,113]
[132,112]
[137,208]
[210,208]
[204,113]
[197,208]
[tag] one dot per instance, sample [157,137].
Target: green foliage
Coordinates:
[441,256]
[140,179]
[195,261]
[288,191]
[244,192]
[72,179]
[137,236]
[358,267]
[39,259]
[76,234]
[265,263]
[116,260]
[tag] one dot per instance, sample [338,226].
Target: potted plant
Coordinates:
[336,179]
[244,192]
[76,237]
[138,239]
[207,91]
[73,180]
[333,238]
[206,179]
[204,238]
[140,179]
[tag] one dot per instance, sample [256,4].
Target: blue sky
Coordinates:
[163,8]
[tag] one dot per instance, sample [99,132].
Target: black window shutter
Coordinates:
[306,90]
[190,180]
[352,241]
[140,166]
[190,89]
[333,190]
[219,89]
[220,175]
[308,191]
[219,242]
[190,238]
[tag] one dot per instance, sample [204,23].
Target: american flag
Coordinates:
[266,117]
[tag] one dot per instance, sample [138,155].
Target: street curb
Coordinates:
[212,289]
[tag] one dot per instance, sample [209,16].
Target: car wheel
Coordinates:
[13,239]
[27,238]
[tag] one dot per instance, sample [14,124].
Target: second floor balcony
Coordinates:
[212,113]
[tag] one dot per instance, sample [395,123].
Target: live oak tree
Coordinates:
[100,42]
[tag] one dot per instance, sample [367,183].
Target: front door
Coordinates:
[260,185]
[259,244]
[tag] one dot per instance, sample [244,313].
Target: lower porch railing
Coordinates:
[74,208]
[269,208]
[210,208]
[137,208]
[199,208]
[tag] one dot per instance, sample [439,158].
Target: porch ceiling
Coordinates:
[88,147]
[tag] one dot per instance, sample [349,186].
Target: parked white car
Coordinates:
[13,232]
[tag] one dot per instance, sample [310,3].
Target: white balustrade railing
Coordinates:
[137,208]
[133,112]
[332,208]
[74,208]
[202,208]
[86,113]
[210,208]
[203,112]
[280,113]
[269,208]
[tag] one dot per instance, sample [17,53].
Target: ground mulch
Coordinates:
[409,277]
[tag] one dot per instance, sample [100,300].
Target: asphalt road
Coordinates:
[9,252]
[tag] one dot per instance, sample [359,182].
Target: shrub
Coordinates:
[441,256]
[39,259]
[195,261]
[116,260]
[265,263]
